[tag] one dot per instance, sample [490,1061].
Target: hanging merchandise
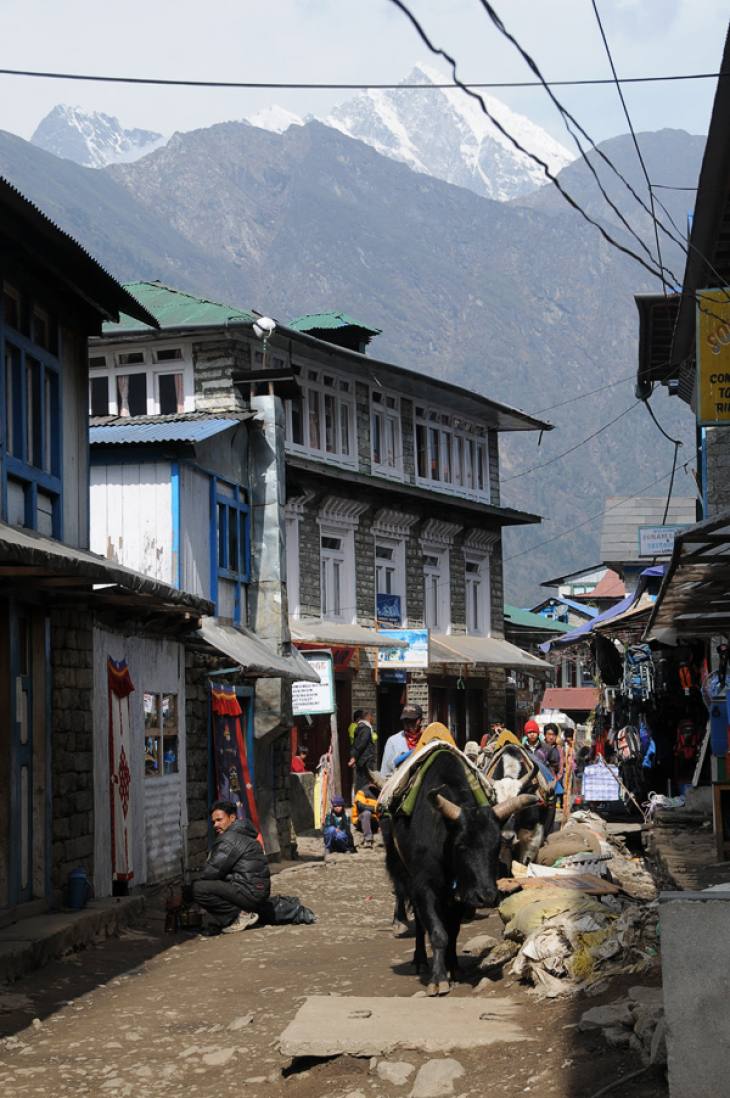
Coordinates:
[639,672]
[233,778]
[688,740]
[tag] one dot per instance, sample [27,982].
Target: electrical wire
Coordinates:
[438,51]
[591,518]
[633,135]
[277,85]
[577,445]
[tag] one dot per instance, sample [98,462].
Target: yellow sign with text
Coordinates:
[713,357]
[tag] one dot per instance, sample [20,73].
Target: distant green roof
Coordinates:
[528,620]
[176,309]
[329,322]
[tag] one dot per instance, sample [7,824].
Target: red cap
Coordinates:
[532,726]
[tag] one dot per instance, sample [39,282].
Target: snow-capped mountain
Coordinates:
[276,119]
[445,134]
[91,138]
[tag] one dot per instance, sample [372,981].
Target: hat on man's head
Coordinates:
[532,726]
[411,713]
[338,801]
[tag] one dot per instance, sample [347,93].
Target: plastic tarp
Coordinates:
[459,649]
[317,631]
[653,572]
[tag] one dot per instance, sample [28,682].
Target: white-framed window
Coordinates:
[478,594]
[155,381]
[390,570]
[386,447]
[436,594]
[452,453]
[337,572]
[321,422]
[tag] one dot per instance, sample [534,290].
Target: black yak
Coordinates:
[442,857]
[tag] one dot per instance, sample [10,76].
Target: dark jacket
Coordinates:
[236,856]
[363,748]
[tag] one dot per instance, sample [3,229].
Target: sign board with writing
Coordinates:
[713,358]
[315,697]
[657,541]
[388,610]
[414,657]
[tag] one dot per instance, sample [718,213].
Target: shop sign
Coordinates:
[658,541]
[414,657]
[388,609]
[346,657]
[713,358]
[312,698]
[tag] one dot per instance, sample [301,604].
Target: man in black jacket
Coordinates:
[362,752]
[235,882]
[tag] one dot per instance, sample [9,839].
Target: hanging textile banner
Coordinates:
[233,778]
[120,778]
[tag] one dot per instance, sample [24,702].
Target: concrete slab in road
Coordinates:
[337,1025]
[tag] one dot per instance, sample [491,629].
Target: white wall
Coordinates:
[131,517]
[158,805]
[195,531]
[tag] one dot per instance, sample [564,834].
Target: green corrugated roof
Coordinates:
[329,322]
[176,309]
[526,618]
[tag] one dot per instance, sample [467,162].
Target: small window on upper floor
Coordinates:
[321,422]
[168,354]
[131,358]
[385,434]
[451,453]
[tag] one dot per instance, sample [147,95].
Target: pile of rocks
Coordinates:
[636,1022]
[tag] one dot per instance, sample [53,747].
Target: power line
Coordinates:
[277,85]
[633,135]
[440,52]
[591,518]
[577,446]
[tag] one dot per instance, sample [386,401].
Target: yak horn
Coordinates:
[446,807]
[376,778]
[504,810]
[528,779]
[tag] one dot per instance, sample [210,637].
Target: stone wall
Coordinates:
[718,469]
[197,717]
[72,660]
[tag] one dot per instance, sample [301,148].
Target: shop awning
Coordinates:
[252,655]
[632,620]
[316,631]
[694,599]
[457,649]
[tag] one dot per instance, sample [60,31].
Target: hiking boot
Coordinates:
[243,922]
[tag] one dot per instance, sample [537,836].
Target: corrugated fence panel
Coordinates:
[163,828]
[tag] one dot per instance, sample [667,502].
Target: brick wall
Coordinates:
[72,661]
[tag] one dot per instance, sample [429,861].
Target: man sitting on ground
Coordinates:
[235,882]
[363,813]
[337,834]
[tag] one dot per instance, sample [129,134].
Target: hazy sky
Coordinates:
[352,40]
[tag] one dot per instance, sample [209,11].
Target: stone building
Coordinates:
[374,498]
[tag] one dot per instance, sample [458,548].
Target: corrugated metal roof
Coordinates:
[195,430]
[513,615]
[330,321]
[176,309]
[252,655]
[624,515]
[78,267]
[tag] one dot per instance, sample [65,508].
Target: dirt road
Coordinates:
[153,1014]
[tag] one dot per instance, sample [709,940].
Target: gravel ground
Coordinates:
[153,1014]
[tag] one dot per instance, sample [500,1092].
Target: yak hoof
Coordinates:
[432,989]
[444,987]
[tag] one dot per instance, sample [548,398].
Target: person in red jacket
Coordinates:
[299,762]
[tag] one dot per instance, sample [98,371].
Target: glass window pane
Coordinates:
[330,424]
[170,755]
[421,451]
[131,358]
[345,430]
[222,538]
[169,713]
[34,432]
[153,737]
[323,587]
[390,442]
[446,456]
[170,394]
[458,460]
[337,587]
[232,540]
[376,438]
[314,436]
[137,394]
[99,396]
[297,427]
[435,471]
[12,398]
